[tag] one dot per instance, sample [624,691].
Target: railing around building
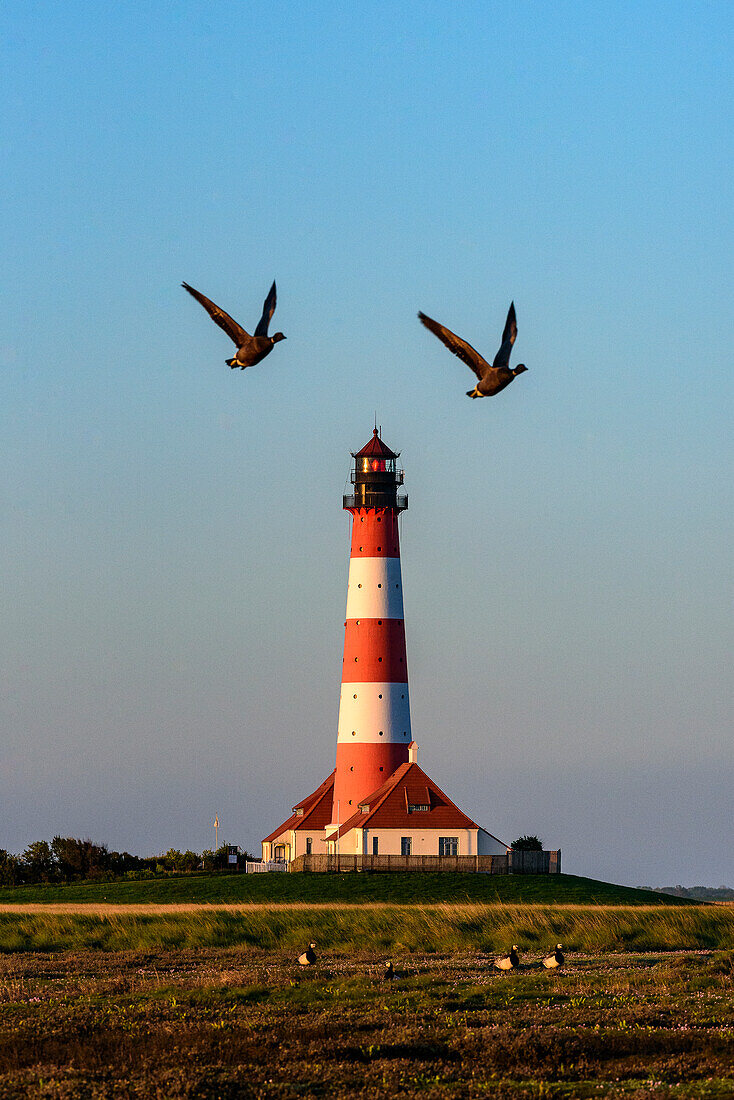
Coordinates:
[513,863]
[372,500]
[261,866]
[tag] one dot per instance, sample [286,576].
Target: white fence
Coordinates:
[272,865]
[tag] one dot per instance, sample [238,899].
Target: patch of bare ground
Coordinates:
[227,1023]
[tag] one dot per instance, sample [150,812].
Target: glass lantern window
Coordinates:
[377,465]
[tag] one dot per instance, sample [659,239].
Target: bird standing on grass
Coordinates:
[389,973]
[308,958]
[509,962]
[550,962]
[250,349]
[492,378]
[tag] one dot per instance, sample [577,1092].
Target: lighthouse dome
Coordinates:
[375,448]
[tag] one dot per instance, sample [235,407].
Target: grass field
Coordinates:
[188,988]
[219,1024]
[392,888]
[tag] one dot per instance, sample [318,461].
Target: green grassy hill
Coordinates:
[404,889]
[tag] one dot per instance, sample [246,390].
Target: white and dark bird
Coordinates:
[389,973]
[494,376]
[551,962]
[308,958]
[509,962]
[250,349]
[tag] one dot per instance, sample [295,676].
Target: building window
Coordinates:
[406,845]
[375,845]
[448,845]
[309,845]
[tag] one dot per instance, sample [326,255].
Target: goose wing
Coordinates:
[502,358]
[454,343]
[268,311]
[236,333]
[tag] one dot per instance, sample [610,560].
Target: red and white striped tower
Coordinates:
[374,711]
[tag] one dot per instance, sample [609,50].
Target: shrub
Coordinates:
[527,844]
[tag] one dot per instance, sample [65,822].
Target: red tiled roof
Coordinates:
[316,813]
[388,805]
[375,447]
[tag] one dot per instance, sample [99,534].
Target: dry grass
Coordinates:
[151,908]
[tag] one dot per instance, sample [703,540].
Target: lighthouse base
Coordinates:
[406,815]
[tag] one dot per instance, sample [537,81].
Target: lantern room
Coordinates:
[376,478]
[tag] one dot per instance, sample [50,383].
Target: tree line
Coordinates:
[70,859]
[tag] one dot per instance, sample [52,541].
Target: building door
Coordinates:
[406,845]
[375,845]
[279,853]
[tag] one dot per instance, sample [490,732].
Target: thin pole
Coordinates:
[216,833]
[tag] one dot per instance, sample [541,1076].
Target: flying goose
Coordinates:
[250,349]
[508,962]
[492,378]
[550,962]
[308,958]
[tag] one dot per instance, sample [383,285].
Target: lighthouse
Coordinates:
[373,730]
[377,801]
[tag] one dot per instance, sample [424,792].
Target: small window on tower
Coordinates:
[309,845]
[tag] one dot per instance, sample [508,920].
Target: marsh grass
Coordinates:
[388,928]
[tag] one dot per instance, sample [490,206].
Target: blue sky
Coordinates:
[176,556]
